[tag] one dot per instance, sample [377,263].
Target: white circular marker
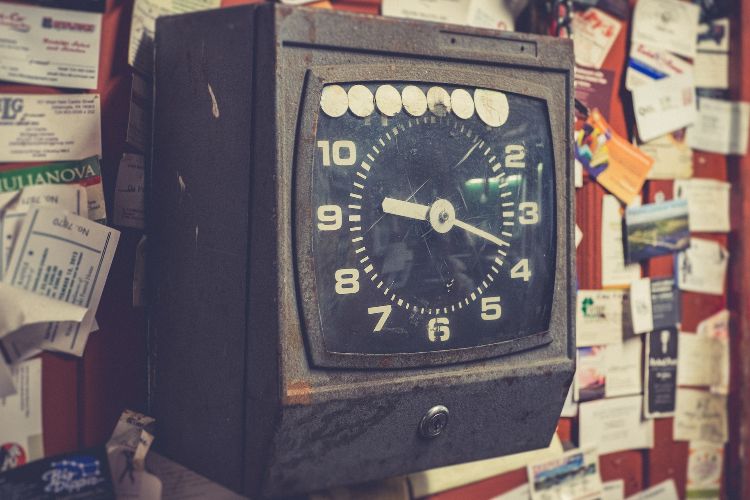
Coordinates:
[438,101]
[492,106]
[333,101]
[441,215]
[388,100]
[361,101]
[415,102]
[462,104]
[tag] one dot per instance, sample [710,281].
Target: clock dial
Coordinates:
[433,214]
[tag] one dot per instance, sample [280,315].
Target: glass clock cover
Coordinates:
[433,209]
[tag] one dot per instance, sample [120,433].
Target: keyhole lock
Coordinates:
[434,422]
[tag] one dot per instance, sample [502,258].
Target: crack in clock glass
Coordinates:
[433,213]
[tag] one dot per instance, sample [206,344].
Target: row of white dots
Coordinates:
[490,105]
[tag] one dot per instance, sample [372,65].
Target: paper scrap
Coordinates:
[695,362]
[574,476]
[712,59]
[660,382]
[615,273]
[623,368]
[613,490]
[700,416]
[664,106]
[615,424]
[477,13]
[708,203]
[51,47]
[716,328]
[595,32]
[702,268]
[49,127]
[673,158]
[601,317]
[720,127]
[180,483]
[67,197]
[665,490]
[87,173]
[670,25]
[65,257]
[143,26]
[127,449]
[19,308]
[129,200]
[641,311]
[21,417]
[579,235]
[570,407]
[705,463]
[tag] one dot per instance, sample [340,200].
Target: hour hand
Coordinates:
[405,209]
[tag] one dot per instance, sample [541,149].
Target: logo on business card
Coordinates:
[10,107]
[50,23]
[72,475]
[12,455]
[14,21]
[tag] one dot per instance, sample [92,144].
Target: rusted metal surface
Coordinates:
[235,388]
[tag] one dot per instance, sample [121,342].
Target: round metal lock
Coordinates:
[434,422]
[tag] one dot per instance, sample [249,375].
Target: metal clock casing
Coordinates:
[242,383]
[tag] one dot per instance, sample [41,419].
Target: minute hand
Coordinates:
[481,233]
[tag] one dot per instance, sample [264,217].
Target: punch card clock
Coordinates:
[361,245]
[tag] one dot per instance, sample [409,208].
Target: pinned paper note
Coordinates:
[553,479]
[664,106]
[21,417]
[665,490]
[712,58]
[673,158]
[614,425]
[660,382]
[129,193]
[720,127]
[615,273]
[669,25]
[708,203]
[601,317]
[641,306]
[595,33]
[705,464]
[700,416]
[648,64]
[716,329]
[64,127]
[702,268]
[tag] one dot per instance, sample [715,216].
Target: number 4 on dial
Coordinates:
[521,270]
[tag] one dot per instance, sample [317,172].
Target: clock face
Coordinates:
[433,210]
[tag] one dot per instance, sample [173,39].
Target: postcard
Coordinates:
[590,377]
[608,370]
[614,424]
[87,173]
[648,64]
[611,160]
[72,255]
[21,418]
[656,229]
[573,476]
[50,47]
[673,158]
[595,33]
[702,268]
[615,272]
[700,416]
[660,380]
[670,25]
[665,490]
[664,106]
[129,201]
[49,127]
[708,204]
[705,464]
[720,127]
[601,317]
